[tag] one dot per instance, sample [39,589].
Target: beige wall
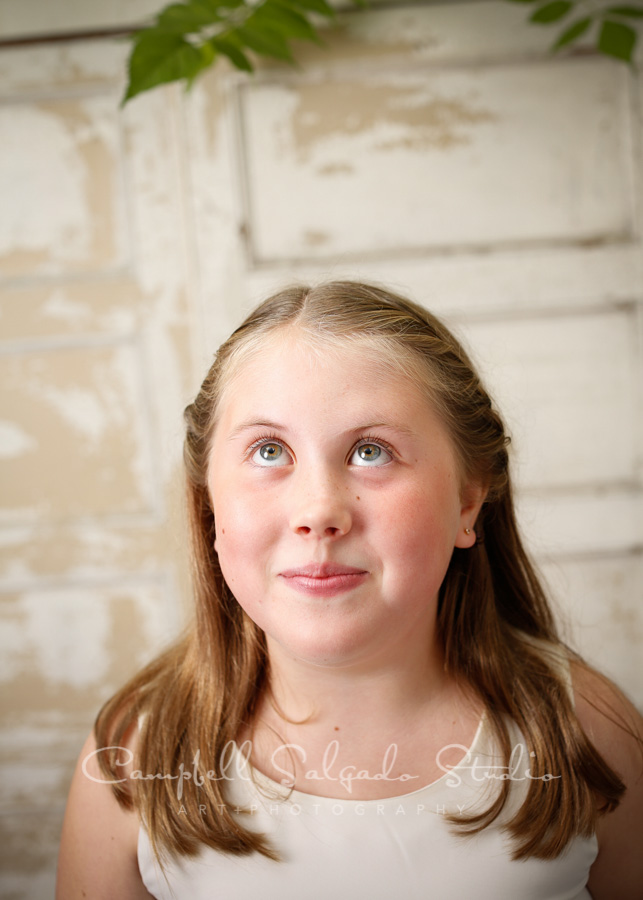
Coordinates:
[437,148]
[36,17]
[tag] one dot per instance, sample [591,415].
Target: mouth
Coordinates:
[321,570]
[323,579]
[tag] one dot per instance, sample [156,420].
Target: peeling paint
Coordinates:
[81,407]
[66,647]
[118,306]
[14,441]
[422,119]
[59,306]
[336,168]
[463,157]
[315,238]
[209,102]
[61,203]
[96,63]
[96,321]
[103,404]
[85,550]
[82,639]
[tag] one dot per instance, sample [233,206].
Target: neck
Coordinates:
[316,722]
[380,692]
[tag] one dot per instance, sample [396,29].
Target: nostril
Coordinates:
[320,523]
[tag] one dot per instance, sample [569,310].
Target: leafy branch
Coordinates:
[614,25]
[188,37]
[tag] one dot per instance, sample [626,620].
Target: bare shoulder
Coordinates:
[610,720]
[615,728]
[98,848]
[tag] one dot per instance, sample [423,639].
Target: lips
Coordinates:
[323,579]
[321,570]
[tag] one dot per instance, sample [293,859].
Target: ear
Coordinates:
[473,496]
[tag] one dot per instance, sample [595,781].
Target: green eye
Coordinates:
[371,455]
[369,452]
[271,454]
[270,451]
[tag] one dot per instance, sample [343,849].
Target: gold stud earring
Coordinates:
[467,531]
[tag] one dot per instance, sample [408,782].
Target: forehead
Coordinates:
[291,361]
[323,387]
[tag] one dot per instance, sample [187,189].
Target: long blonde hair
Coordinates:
[493,616]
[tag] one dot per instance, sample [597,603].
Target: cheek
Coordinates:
[230,506]
[233,553]
[423,522]
[243,532]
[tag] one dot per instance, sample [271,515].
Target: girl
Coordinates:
[372,700]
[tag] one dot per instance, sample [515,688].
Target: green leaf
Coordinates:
[229,47]
[265,41]
[208,55]
[552,12]
[188,36]
[285,20]
[629,12]
[617,40]
[183,18]
[573,33]
[158,58]
[316,6]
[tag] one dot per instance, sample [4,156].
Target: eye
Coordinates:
[270,454]
[370,454]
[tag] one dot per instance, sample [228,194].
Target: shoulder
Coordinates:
[610,720]
[615,728]
[98,849]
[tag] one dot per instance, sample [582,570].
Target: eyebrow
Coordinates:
[251,423]
[276,426]
[392,426]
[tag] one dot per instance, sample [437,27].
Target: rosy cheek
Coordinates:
[238,528]
[236,520]
[415,518]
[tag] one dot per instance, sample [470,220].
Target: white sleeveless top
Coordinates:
[377,849]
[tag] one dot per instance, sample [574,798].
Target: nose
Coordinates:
[320,509]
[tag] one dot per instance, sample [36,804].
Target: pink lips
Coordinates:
[323,579]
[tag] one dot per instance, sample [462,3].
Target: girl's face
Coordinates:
[337,503]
